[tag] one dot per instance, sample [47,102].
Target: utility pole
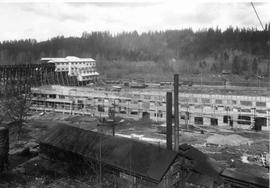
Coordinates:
[201,79]
[113,117]
[187,117]
[176,112]
[100,170]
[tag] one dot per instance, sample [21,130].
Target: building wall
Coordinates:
[83,68]
[198,109]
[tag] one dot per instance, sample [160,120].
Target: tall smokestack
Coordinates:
[176,112]
[169,120]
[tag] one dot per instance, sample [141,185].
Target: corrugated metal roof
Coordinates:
[130,156]
[243,177]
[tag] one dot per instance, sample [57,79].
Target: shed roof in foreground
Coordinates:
[243,177]
[132,157]
[205,171]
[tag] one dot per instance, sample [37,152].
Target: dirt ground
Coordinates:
[29,170]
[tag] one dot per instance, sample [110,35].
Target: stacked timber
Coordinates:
[4,148]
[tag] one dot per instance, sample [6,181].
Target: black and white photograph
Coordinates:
[134,94]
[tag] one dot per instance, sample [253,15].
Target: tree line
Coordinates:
[238,50]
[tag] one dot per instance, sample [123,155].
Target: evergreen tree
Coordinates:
[255,66]
[236,66]
[214,68]
[244,65]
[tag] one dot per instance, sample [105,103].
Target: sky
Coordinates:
[42,20]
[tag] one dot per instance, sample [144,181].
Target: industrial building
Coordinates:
[237,111]
[84,69]
[140,163]
[69,71]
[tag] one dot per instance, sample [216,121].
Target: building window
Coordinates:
[61,97]
[245,120]
[197,106]
[204,100]
[185,116]
[261,104]
[195,100]
[227,108]
[218,101]
[134,113]
[100,108]
[148,97]
[152,103]
[246,103]
[260,121]
[185,106]
[214,121]
[123,112]
[80,101]
[134,102]
[136,96]
[52,96]
[246,110]
[198,120]
[226,119]
[261,111]
[159,114]
[183,99]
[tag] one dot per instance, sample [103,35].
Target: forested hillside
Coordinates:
[240,51]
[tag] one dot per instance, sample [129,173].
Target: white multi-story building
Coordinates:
[82,68]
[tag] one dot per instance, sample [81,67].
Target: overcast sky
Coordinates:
[44,20]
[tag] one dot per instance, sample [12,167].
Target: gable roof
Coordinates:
[201,163]
[130,156]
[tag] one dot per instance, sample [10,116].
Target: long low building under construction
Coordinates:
[238,111]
